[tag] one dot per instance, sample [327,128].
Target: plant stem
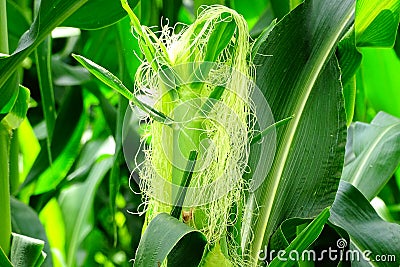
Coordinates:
[5,137]
[5,218]
[3,28]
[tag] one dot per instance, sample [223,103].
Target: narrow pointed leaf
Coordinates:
[112,81]
[77,203]
[43,64]
[304,239]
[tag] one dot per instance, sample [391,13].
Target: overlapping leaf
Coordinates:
[301,77]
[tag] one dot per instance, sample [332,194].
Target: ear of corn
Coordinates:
[201,78]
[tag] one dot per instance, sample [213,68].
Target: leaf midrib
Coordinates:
[283,154]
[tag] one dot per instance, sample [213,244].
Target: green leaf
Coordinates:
[166,236]
[380,79]
[349,60]
[8,94]
[280,7]
[43,65]
[310,148]
[4,261]
[171,10]
[252,14]
[368,232]
[215,257]
[29,147]
[26,251]
[66,124]
[77,206]
[97,14]
[376,22]
[53,223]
[286,233]
[59,168]
[20,108]
[51,14]
[16,22]
[221,35]
[304,239]
[67,75]
[25,222]
[372,154]
[112,81]
[349,57]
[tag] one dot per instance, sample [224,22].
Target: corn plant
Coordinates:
[229,135]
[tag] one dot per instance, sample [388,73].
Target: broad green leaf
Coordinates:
[97,14]
[304,239]
[26,251]
[66,124]
[381,82]
[77,206]
[51,14]
[376,22]
[59,168]
[373,154]
[368,232]
[26,222]
[112,81]
[310,148]
[166,236]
